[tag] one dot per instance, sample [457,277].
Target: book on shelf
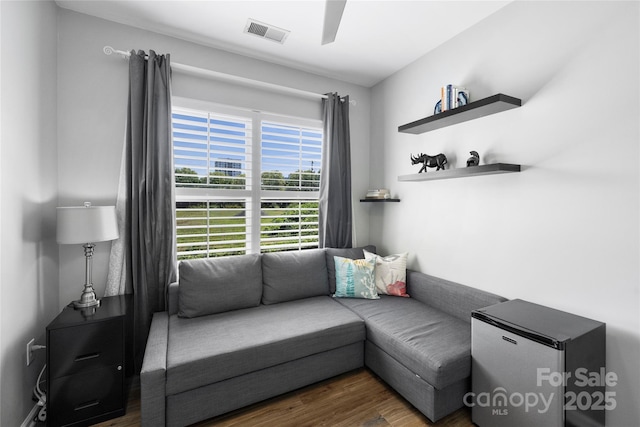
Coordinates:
[378,193]
[452,96]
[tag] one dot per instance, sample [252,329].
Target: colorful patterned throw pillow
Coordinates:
[391,273]
[355,278]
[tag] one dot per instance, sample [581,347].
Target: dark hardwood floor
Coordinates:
[357,398]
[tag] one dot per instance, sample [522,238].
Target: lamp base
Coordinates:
[87,299]
[79,304]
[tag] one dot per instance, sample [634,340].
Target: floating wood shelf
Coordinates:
[473,110]
[491,169]
[379,200]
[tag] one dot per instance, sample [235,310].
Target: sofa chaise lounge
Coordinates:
[242,329]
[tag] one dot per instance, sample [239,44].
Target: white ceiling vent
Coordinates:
[266,31]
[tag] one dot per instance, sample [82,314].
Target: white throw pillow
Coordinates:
[391,273]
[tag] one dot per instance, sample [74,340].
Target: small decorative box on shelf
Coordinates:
[492,169]
[379,195]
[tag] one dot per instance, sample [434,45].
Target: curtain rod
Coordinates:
[108,50]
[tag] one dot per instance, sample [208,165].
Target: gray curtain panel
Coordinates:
[335,180]
[143,260]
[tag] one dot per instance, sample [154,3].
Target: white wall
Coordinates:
[28,196]
[92,108]
[564,232]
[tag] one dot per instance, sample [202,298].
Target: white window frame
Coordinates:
[254,195]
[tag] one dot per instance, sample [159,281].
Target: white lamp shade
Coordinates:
[86,224]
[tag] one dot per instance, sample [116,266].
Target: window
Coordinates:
[246,182]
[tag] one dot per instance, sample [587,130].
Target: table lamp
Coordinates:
[87,225]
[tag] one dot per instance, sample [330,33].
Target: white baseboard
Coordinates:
[28,422]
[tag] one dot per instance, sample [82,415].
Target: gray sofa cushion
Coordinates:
[216,285]
[434,345]
[353,253]
[450,297]
[213,348]
[294,275]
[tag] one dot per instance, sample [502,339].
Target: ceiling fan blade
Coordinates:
[332,15]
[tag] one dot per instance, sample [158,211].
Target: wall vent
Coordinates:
[266,31]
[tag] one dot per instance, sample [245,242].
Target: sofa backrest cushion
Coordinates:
[294,275]
[353,253]
[450,297]
[216,285]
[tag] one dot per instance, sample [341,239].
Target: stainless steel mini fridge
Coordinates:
[536,366]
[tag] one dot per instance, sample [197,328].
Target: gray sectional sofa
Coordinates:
[242,329]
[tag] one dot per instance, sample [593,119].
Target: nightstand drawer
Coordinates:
[87,395]
[85,347]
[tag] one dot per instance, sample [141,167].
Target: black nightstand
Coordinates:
[88,363]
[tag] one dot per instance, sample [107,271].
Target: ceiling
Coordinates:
[375,39]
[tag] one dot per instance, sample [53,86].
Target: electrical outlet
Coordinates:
[30,351]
